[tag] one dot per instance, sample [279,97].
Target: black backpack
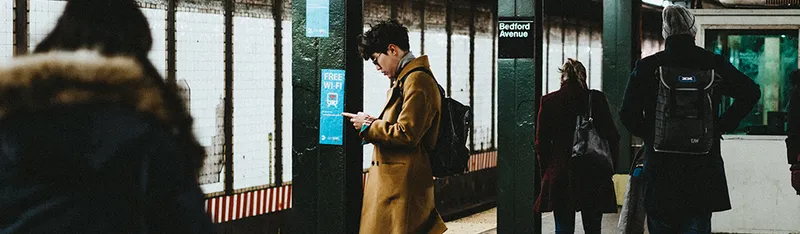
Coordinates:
[684,121]
[450,156]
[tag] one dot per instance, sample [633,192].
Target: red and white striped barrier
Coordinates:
[243,205]
[269,200]
[482,161]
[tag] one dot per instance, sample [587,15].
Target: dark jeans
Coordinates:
[688,224]
[565,221]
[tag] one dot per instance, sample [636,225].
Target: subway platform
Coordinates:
[486,223]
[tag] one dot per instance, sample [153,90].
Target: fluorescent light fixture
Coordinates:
[654,2]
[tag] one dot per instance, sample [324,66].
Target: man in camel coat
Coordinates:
[398,196]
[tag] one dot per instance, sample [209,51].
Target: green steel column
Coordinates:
[326,178]
[228,108]
[618,58]
[171,49]
[21,27]
[519,91]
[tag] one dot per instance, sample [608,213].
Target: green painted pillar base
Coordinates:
[619,54]
[326,179]
[519,91]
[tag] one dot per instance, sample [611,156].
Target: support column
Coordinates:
[472,14]
[519,91]
[326,180]
[228,109]
[171,50]
[619,54]
[20,27]
[277,16]
[448,27]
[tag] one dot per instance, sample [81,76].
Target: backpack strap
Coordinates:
[402,80]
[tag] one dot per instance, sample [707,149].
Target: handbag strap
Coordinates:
[401,80]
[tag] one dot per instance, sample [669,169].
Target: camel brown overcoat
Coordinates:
[398,196]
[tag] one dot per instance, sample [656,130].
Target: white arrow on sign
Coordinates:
[323,137]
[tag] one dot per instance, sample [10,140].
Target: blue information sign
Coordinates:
[317,18]
[331,106]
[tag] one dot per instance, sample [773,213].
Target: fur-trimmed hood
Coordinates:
[42,81]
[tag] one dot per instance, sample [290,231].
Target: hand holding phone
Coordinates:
[359,119]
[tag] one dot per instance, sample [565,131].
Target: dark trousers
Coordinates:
[565,221]
[672,224]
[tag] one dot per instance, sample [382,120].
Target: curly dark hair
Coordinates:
[380,35]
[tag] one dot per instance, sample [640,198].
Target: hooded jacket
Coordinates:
[85,148]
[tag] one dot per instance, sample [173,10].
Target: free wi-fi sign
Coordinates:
[515,37]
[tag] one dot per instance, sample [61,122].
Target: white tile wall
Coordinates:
[482,111]
[158,24]
[43,15]
[651,46]
[583,49]
[570,43]
[436,49]
[494,134]
[200,48]
[415,42]
[596,73]
[587,47]
[6,30]
[287,100]
[459,70]
[545,50]
[253,102]
[554,61]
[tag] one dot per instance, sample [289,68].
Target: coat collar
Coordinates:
[397,89]
[679,41]
[405,60]
[59,78]
[421,61]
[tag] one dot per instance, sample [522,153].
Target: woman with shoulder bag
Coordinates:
[570,183]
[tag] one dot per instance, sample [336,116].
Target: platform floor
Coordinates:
[486,223]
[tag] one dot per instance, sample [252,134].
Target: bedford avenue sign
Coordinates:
[515,37]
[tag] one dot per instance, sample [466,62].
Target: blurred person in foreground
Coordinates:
[92,140]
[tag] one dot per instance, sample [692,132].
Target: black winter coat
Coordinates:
[685,184]
[793,122]
[83,150]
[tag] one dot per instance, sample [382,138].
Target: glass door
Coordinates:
[768,57]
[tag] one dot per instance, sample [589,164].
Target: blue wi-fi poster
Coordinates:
[317,18]
[331,106]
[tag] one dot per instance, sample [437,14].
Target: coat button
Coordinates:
[373,163]
[378,163]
